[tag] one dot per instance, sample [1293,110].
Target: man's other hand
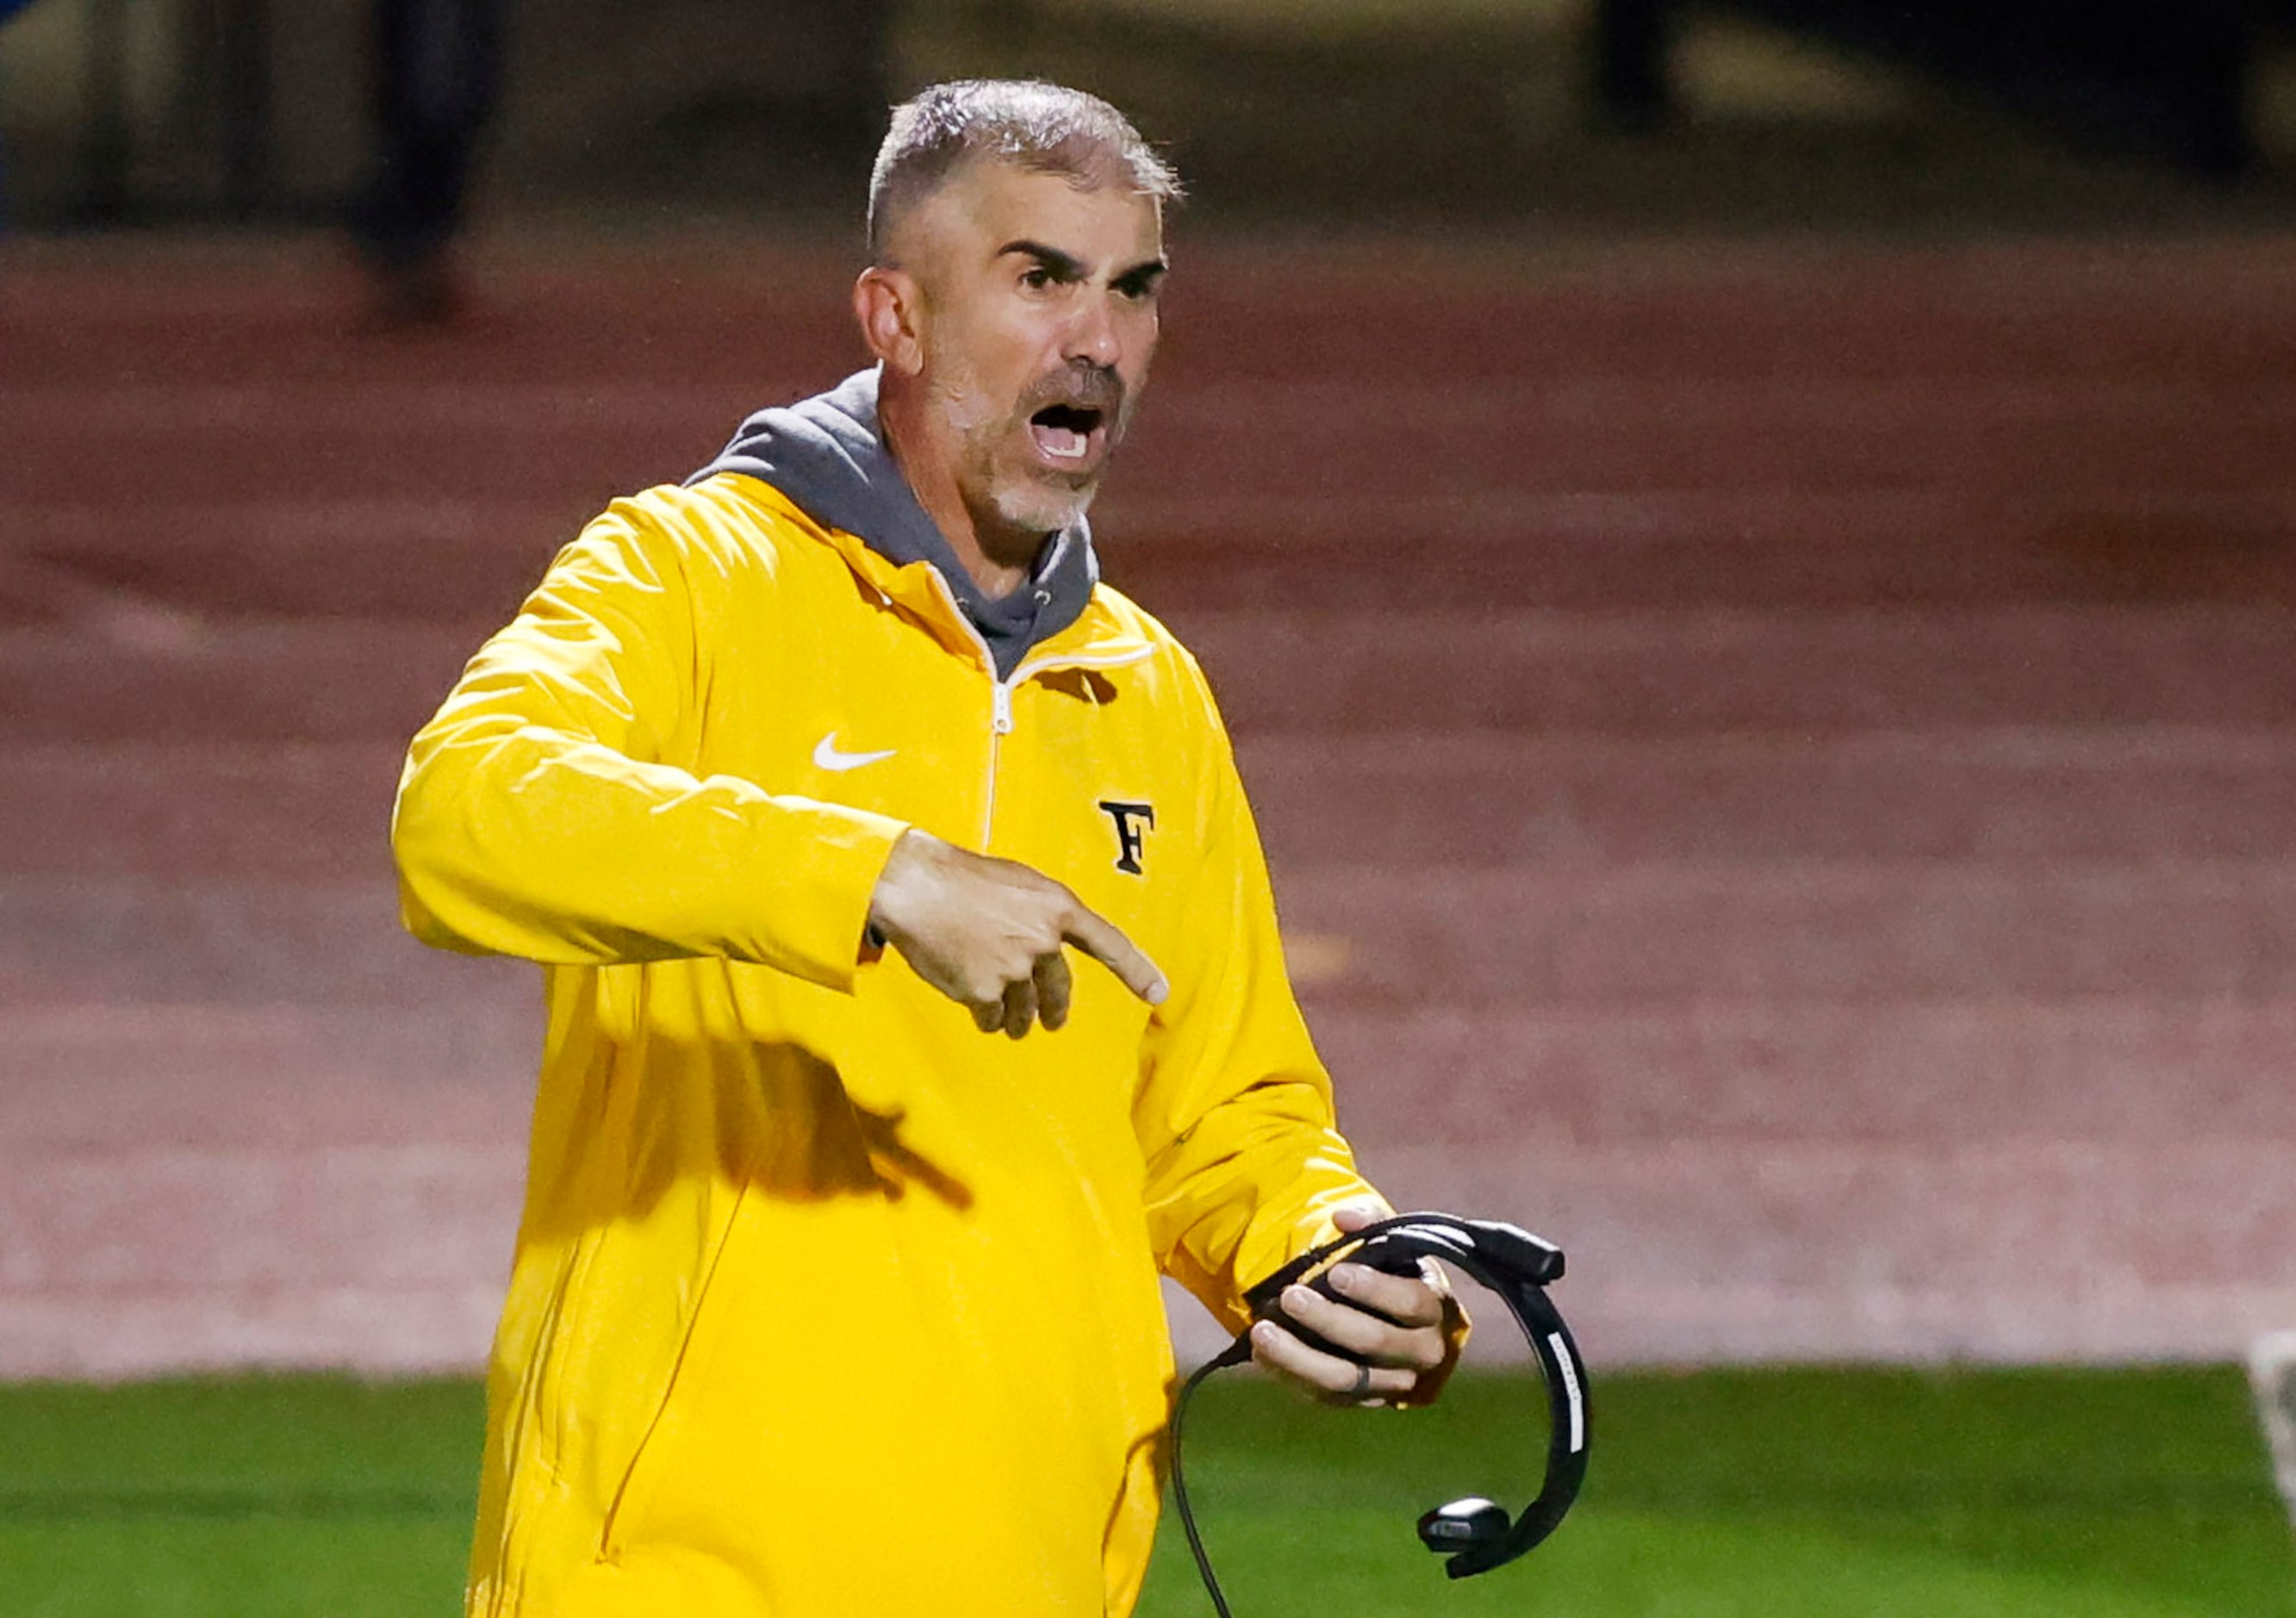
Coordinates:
[988,934]
[1406,1356]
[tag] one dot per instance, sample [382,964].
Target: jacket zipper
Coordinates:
[1000,705]
[1000,726]
[1000,694]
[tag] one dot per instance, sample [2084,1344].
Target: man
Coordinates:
[836,1287]
[437,76]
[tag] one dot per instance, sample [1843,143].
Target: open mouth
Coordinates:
[1065,432]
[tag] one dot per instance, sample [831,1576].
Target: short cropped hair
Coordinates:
[1026,122]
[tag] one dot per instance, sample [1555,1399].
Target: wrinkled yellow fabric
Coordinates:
[825,1302]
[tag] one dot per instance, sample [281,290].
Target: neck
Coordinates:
[925,460]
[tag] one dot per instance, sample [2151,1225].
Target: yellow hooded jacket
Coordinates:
[825,1302]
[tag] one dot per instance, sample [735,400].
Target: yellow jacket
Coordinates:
[826,1303]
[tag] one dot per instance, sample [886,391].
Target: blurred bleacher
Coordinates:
[1756,114]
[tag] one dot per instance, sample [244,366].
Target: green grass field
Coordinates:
[1842,1493]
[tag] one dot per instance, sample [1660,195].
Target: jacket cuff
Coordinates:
[827,873]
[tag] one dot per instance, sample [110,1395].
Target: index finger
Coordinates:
[1100,939]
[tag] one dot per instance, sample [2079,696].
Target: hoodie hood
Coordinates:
[828,456]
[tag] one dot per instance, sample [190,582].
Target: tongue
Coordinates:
[1066,443]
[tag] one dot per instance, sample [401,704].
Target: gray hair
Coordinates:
[1026,122]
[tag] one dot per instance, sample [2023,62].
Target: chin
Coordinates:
[1042,511]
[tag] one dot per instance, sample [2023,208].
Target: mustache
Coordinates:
[1080,384]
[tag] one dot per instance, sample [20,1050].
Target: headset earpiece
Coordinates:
[1468,1524]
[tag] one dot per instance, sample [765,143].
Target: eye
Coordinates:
[1037,279]
[1138,288]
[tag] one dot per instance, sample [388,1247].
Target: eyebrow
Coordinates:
[1064,267]
[1059,265]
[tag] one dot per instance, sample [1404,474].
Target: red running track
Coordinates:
[1780,760]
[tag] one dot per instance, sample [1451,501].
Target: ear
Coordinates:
[889,306]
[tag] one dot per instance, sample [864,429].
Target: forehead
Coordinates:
[985,204]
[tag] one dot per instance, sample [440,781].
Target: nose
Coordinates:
[1092,335]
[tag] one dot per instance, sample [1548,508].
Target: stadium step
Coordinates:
[1626,938]
[2019,1249]
[2114,1068]
[79,941]
[1919,547]
[1387,800]
[389,1257]
[1816,431]
[90,1075]
[1289,670]
[1404,798]
[1630,936]
[469,560]
[1685,671]
[1408,306]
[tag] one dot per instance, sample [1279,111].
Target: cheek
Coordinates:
[974,398]
[1140,333]
[1000,375]
[950,380]
[1009,339]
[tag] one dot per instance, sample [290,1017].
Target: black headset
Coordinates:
[1477,1535]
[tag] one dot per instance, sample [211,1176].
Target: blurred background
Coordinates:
[1749,553]
[1773,113]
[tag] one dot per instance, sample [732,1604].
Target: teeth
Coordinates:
[1065,442]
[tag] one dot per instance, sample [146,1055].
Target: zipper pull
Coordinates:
[1001,709]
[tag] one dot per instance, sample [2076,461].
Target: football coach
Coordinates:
[912,986]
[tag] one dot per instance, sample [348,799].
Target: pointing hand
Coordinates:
[988,934]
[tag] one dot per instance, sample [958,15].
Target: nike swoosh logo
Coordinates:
[827,756]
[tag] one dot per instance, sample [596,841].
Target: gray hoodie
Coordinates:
[827,454]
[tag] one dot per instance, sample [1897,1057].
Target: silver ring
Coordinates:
[1363,1383]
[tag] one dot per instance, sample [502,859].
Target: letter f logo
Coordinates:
[1133,822]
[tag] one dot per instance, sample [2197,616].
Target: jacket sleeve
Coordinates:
[538,814]
[1235,1112]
